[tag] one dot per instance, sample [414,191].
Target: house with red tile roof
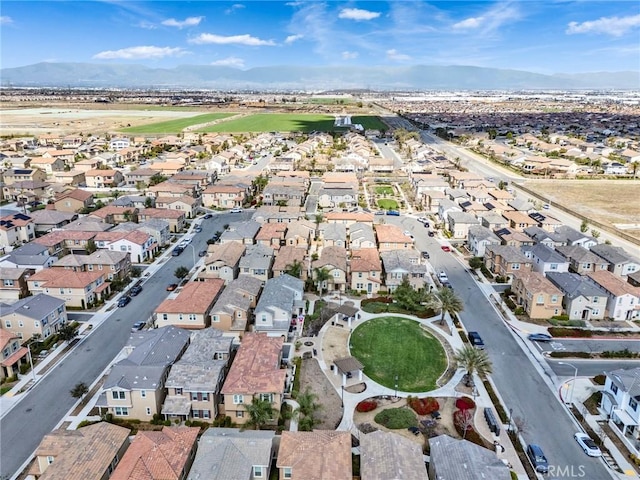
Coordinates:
[256,372]
[12,354]
[392,237]
[175,218]
[73,200]
[316,455]
[366,270]
[164,455]
[191,307]
[103,178]
[77,289]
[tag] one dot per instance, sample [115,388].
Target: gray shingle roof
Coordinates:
[160,346]
[483,233]
[544,253]
[460,459]
[36,307]
[257,257]
[579,254]
[574,285]
[401,260]
[613,255]
[388,456]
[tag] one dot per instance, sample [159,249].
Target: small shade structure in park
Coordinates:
[346,366]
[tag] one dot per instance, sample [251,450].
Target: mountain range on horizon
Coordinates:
[298,78]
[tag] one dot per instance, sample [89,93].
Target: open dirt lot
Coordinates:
[612,202]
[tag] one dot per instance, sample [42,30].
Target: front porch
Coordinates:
[626,428]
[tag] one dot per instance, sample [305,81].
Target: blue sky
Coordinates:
[548,36]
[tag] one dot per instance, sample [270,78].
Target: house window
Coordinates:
[614,388]
[178,391]
[239,414]
[8,283]
[206,414]
[264,317]
[117,395]
[554,299]
[540,300]
[238,399]
[49,460]
[257,471]
[143,393]
[121,411]
[633,404]
[336,273]
[596,299]
[192,317]
[215,318]
[515,266]
[180,317]
[148,410]
[7,323]
[20,323]
[267,397]
[359,274]
[287,473]
[165,317]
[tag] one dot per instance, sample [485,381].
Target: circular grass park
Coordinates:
[395,346]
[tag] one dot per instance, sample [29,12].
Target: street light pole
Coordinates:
[575,376]
[33,371]
[396,386]
[342,397]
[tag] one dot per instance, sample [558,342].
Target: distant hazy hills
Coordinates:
[420,77]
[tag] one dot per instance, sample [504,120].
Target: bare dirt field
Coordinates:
[612,202]
[311,376]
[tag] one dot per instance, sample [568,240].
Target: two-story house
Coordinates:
[222,261]
[333,235]
[403,264]
[77,289]
[40,315]
[333,260]
[544,259]
[318,454]
[241,232]
[280,303]
[540,298]
[73,201]
[288,256]
[12,354]
[114,264]
[223,196]
[257,261]
[620,399]
[256,372]
[16,229]
[31,256]
[478,237]
[191,307]
[103,178]
[582,299]
[392,237]
[459,223]
[234,307]
[361,235]
[194,382]
[272,235]
[13,282]
[620,262]
[505,260]
[581,260]
[623,299]
[135,386]
[366,270]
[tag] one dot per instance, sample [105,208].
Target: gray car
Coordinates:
[538,459]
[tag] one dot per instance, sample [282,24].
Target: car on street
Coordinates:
[423,220]
[198,229]
[476,340]
[202,253]
[208,216]
[425,254]
[236,210]
[540,337]
[379,212]
[445,248]
[546,206]
[587,444]
[408,233]
[442,276]
[447,285]
[393,213]
[138,326]
[537,458]
[135,290]
[171,287]
[123,302]
[431,234]
[177,251]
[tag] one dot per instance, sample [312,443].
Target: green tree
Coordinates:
[321,276]
[281,203]
[474,361]
[181,272]
[67,332]
[445,300]
[306,411]
[148,202]
[91,246]
[476,262]
[156,178]
[584,226]
[406,296]
[260,412]
[595,234]
[294,269]
[79,390]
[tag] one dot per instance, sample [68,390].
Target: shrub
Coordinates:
[396,418]
[570,355]
[423,406]
[366,406]
[465,403]
[599,379]
[569,332]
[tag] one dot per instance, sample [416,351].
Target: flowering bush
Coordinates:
[465,403]
[423,406]
[366,406]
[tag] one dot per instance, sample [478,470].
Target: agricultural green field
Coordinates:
[284,122]
[175,126]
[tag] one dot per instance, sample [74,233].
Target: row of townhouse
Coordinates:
[104,450]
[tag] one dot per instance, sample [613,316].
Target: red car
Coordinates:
[171,287]
[445,248]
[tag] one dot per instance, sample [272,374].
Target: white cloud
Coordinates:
[491,20]
[229,62]
[293,38]
[233,8]
[146,25]
[134,53]
[614,26]
[4,20]
[245,39]
[346,55]
[187,22]
[357,14]
[393,54]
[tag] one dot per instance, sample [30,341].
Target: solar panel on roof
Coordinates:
[21,216]
[22,172]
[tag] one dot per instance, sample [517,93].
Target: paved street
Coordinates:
[588,368]
[591,346]
[48,402]
[518,380]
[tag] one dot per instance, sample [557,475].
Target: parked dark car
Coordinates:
[124,301]
[540,337]
[202,253]
[431,234]
[476,340]
[135,290]
[537,458]
[177,251]
[393,213]
[171,287]
[208,216]
[425,254]
[137,326]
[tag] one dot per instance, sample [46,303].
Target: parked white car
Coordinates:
[587,444]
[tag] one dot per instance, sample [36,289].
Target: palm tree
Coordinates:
[307,408]
[473,360]
[294,269]
[322,275]
[445,300]
[260,412]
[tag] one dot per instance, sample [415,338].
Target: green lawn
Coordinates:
[294,122]
[384,190]
[390,346]
[388,204]
[175,126]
